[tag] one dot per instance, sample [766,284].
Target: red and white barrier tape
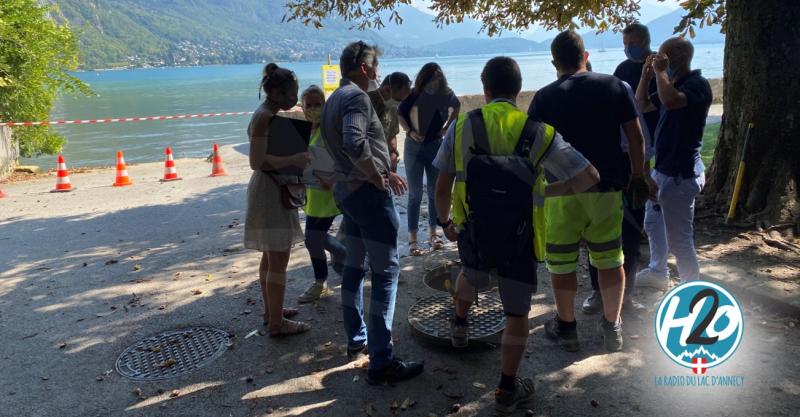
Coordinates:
[129,119]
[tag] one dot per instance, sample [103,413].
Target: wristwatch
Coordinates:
[444,225]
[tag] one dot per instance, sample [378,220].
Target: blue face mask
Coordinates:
[635,53]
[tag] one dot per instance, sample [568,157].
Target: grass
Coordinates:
[710,139]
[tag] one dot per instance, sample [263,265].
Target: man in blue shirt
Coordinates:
[683,100]
[354,136]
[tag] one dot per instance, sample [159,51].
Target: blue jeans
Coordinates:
[419,162]
[371,224]
[670,224]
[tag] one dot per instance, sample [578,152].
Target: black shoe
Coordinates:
[397,370]
[612,334]
[566,334]
[632,308]
[506,402]
[593,304]
[357,353]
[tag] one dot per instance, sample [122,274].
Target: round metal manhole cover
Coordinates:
[430,317]
[172,354]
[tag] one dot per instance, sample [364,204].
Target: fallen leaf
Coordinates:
[44,378]
[328,344]
[111,262]
[594,403]
[249,379]
[99,378]
[62,346]
[174,393]
[161,307]
[137,267]
[197,292]
[479,385]
[251,334]
[453,396]
[167,363]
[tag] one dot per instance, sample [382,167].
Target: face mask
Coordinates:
[634,53]
[313,115]
[391,104]
[373,85]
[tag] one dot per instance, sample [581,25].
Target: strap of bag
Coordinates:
[529,133]
[479,135]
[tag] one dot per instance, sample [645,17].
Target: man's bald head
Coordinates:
[679,50]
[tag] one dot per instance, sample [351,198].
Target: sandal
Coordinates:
[437,243]
[287,314]
[290,328]
[414,249]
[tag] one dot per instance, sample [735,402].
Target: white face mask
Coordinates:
[373,85]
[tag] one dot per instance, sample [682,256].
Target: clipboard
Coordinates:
[288,137]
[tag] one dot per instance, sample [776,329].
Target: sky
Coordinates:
[650,9]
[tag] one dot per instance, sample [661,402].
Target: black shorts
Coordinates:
[517,280]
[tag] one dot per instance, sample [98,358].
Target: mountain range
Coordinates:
[135,33]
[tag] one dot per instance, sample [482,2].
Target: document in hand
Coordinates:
[287,137]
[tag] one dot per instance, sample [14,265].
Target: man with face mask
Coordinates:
[683,100]
[385,99]
[355,139]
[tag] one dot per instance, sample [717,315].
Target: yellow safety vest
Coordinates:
[319,202]
[504,123]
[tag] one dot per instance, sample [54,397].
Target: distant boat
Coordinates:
[602,47]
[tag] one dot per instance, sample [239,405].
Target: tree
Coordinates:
[760,81]
[36,53]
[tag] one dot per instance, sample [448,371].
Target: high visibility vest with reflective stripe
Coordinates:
[504,123]
[319,202]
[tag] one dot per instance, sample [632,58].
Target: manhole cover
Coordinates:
[430,318]
[172,354]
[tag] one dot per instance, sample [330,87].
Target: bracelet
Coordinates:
[444,225]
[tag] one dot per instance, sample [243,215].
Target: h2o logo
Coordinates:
[699,323]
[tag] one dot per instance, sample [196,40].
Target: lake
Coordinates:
[234,88]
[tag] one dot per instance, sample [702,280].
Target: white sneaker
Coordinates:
[647,278]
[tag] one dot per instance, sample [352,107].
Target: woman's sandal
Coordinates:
[290,328]
[287,314]
[414,249]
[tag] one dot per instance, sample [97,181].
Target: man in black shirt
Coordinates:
[588,109]
[636,39]
[683,100]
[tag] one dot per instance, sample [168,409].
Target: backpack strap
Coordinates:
[479,135]
[529,134]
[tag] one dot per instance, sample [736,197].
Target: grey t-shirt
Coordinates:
[561,161]
[352,132]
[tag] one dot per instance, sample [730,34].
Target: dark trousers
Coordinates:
[632,233]
[318,240]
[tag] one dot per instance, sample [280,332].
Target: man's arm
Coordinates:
[633,131]
[669,96]
[394,155]
[354,138]
[574,172]
[443,201]
[643,90]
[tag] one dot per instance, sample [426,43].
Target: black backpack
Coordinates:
[500,197]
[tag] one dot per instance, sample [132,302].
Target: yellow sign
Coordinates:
[330,78]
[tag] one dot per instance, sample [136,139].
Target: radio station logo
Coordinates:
[699,325]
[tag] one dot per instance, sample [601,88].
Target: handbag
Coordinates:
[293,194]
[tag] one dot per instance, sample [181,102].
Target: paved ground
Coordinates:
[67,311]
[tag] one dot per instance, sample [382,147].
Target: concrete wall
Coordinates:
[9,152]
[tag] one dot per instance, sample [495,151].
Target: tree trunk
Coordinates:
[762,86]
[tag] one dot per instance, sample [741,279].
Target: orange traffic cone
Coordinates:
[122,172]
[62,177]
[217,169]
[170,172]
